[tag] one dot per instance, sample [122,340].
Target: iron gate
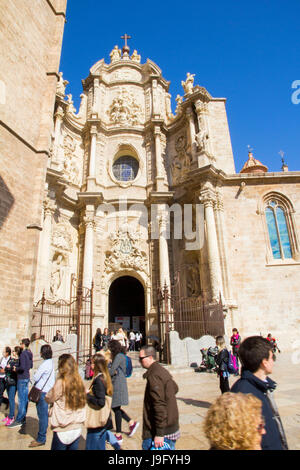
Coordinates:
[74,316]
[189,316]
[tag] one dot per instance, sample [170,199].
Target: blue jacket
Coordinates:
[274,439]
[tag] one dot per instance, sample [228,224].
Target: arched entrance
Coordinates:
[127,304]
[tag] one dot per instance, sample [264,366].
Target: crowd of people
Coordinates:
[244,417]
[132,340]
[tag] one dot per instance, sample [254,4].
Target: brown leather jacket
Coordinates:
[160,413]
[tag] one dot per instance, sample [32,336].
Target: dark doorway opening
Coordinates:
[127,304]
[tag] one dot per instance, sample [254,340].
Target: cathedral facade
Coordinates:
[136,195]
[124,196]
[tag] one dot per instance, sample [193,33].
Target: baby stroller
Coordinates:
[208,363]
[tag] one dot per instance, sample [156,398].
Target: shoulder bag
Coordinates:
[97,417]
[35,394]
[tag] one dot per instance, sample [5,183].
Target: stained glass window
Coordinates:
[125,168]
[278,231]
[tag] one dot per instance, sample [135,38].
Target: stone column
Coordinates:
[160,173]
[192,132]
[57,134]
[92,162]
[88,257]
[207,198]
[95,107]
[164,267]
[43,280]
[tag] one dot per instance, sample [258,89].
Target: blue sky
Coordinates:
[245,51]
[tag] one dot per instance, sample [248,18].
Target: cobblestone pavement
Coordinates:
[196,392]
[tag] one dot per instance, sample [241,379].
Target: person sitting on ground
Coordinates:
[58,337]
[234,422]
[257,360]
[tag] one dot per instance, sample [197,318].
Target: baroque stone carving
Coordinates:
[71,167]
[124,110]
[56,274]
[115,54]
[188,85]
[61,238]
[61,85]
[182,161]
[125,252]
[136,57]
[193,280]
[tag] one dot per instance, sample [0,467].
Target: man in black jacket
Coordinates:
[256,356]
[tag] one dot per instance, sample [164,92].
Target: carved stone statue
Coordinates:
[178,100]
[200,138]
[61,85]
[125,110]
[71,109]
[115,54]
[188,85]
[136,57]
[56,275]
[193,281]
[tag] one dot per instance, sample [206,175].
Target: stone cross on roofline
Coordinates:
[126,47]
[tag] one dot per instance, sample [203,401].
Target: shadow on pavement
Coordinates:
[199,403]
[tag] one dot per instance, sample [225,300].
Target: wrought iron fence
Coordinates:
[74,316]
[189,316]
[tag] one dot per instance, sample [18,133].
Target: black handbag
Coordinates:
[35,394]
[10,380]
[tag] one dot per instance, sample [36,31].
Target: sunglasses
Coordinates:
[142,357]
[261,426]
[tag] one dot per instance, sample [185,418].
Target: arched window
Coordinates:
[125,168]
[278,231]
[280,227]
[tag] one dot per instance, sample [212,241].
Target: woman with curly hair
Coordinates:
[68,397]
[234,422]
[120,395]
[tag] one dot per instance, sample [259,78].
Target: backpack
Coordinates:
[128,366]
[232,365]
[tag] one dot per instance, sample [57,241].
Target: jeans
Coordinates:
[42,412]
[11,392]
[95,440]
[147,443]
[58,445]
[113,441]
[22,388]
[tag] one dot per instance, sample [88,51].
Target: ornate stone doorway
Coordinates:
[127,303]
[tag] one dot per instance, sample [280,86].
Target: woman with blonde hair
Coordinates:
[222,364]
[68,397]
[234,422]
[96,397]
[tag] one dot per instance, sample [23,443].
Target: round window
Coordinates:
[125,168]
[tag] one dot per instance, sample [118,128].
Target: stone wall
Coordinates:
[31,38]
[265,290]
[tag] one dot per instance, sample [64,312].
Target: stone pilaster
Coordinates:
[91,180]
[56,163]
[89,223]
[192,132]
[207,198]
[161,184]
